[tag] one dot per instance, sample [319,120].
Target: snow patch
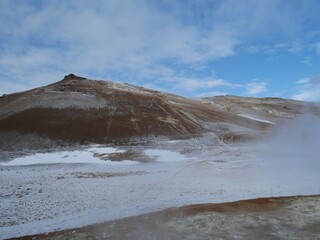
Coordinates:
[165,155]
[178,103]
[128,88]
[255,119]
[81,156]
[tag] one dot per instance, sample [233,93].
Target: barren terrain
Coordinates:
[114,156]
[77,111]
[266,218]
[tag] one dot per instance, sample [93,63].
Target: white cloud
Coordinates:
[304,80]
[9,87]
[101,38]
[308,89]
[137,41]
[193,84]
[307,60]
[254,88]
[317,47]
[294,47]
[297,46]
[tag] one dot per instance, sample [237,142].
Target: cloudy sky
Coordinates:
[194,48]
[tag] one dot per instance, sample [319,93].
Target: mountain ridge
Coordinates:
[77,110]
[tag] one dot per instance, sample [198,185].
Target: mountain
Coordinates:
[77,110]
[61,176]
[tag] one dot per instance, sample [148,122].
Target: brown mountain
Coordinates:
[77,110]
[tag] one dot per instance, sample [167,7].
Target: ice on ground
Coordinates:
[81,156]
[255,118]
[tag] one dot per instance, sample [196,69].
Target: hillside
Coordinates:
[77,110]
[80,152]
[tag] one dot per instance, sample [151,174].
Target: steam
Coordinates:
[293,147]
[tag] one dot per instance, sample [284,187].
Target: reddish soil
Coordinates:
[79,110]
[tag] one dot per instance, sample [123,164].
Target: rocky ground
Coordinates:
[79,111]
[267,218]
[81,152]
[50,192]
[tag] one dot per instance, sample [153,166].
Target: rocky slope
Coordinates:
[70,188]
[77,110]
[272,109]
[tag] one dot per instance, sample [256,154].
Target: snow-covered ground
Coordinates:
[73,189]
[84,156]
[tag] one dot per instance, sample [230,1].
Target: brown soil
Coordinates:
[77,110]
[268,106]
[265,218]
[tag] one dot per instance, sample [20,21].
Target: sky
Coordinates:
[193,48]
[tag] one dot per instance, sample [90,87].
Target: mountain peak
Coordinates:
[73,76]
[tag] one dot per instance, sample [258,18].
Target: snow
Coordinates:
[255,118]
[83,156]
[178,103]
[87,156]
[165,155]
[45,197]
[128,88]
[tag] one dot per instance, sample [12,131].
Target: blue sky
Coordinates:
[194,48]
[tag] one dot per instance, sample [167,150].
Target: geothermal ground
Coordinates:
[116,157]
[50,192]
[266,218]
